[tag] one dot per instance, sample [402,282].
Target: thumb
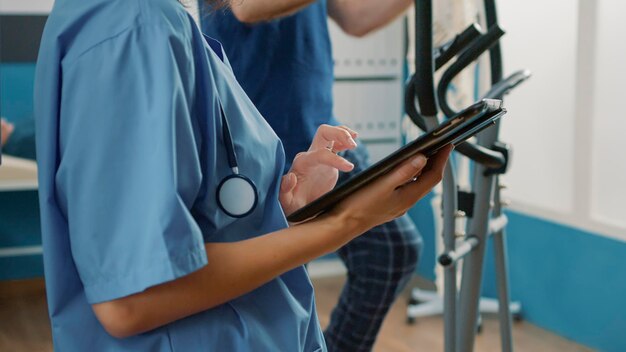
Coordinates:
[288,183]
[406,171]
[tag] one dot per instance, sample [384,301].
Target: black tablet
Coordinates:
[455,130]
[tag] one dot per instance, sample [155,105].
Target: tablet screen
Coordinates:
[454,130]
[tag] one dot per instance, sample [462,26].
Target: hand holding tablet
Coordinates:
[454,131]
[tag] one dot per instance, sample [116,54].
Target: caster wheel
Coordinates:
[517,317]
[479,329]
[411,320]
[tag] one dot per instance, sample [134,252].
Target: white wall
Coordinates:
[541,36]
[368,91]
[565,123]
[608,167]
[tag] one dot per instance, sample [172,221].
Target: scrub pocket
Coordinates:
[218,329]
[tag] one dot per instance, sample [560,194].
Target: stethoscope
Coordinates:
[236,194]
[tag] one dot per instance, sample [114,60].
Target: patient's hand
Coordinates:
[315,172]
[6,129]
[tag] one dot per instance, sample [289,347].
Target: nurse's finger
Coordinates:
[405,172]
[288,182]
[285,196]
[352,132]
[326,134]
[341,146]
[429,178]
[325,157]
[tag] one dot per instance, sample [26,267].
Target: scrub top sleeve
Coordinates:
[129,169]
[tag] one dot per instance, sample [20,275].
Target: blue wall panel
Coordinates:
[19,211]
[19,219]
[16,90]
[23,267]
[20,227]
[569,281]
[422,215]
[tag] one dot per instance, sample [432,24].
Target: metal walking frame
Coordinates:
[483,205]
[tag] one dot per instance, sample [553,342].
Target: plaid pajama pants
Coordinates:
[380,263]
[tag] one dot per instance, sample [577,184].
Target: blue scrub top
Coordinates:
[130,149]
[286,68]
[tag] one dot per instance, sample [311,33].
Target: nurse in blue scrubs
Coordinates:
[147,244]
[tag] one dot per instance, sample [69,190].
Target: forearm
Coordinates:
[360,17]
[233,270]
[252,11]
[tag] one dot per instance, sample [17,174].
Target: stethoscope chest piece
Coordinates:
[237,196]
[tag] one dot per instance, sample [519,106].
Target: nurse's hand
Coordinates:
[391,195]
[315,172]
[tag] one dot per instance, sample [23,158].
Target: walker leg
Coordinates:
[469,295]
